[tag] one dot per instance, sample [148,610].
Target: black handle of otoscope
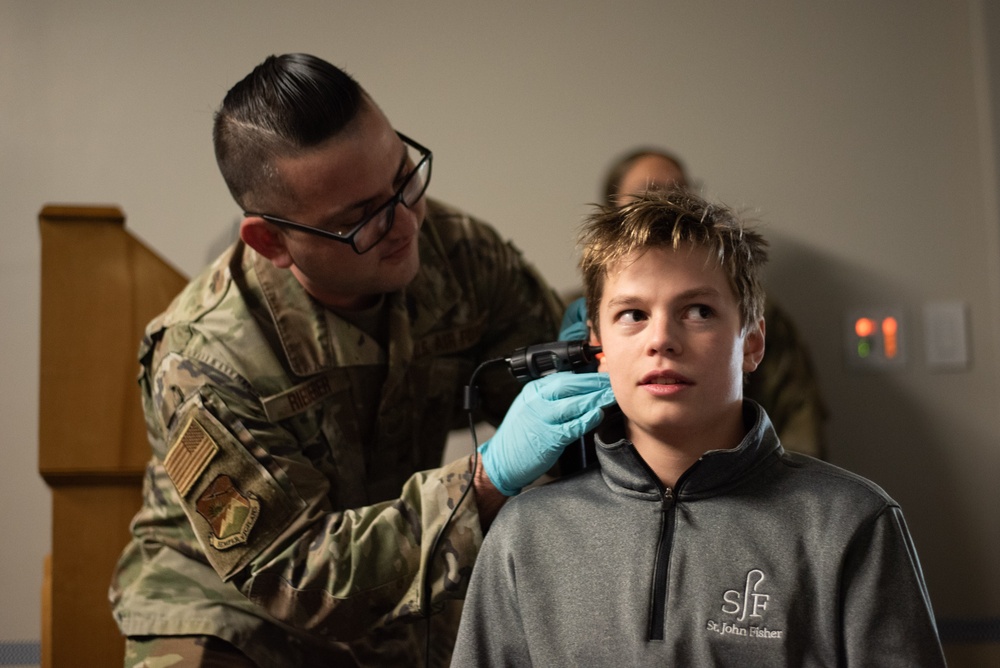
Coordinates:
[533,362]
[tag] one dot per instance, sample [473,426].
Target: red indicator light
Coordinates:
[864,327]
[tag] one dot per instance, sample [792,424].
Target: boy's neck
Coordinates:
[669,456]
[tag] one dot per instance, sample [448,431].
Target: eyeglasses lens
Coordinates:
[412,191]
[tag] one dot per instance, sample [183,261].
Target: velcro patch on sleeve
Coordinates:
[229,512]
[236,507]
[189,455]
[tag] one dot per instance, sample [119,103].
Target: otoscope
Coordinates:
[533,362]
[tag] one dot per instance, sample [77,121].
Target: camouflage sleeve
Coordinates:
[336,573]
[381,557]
[523,310]
[785,385]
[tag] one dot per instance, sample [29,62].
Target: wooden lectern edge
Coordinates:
[69,212]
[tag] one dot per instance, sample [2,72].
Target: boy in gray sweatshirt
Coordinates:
[696,540]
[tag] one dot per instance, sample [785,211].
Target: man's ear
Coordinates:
[753,347]
[263,238]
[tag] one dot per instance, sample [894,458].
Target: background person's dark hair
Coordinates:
[287,104]
[616,172]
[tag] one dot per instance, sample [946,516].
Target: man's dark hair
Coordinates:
[286,105]
[619,168]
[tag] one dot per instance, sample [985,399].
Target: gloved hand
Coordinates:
[574,322]
[548,414]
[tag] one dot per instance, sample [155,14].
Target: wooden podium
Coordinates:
[100,286]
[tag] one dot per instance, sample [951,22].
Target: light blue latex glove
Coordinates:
[548,414]
[574,322]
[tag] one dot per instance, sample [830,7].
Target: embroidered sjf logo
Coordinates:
[748,606]
[750,602]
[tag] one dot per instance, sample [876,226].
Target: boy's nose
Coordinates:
[664,337]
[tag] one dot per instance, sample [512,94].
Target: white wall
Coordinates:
[860,132]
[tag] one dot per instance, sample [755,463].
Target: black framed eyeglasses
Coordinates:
[370,230]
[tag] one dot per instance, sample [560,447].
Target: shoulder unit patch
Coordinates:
[229,512]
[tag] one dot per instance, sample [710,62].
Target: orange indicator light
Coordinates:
[864,327]
[889,329]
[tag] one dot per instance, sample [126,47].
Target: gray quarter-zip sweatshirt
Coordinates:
[757,558]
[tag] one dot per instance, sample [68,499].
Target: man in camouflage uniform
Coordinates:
[298,394]
[785,382]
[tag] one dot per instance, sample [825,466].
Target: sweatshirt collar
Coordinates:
[715,472]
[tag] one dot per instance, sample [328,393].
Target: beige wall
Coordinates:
[860,132]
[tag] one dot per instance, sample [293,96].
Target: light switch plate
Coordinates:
[946,338]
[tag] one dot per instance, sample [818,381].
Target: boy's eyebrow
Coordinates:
[693,293]
[623,300]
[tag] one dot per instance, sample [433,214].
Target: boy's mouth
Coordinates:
[664,378]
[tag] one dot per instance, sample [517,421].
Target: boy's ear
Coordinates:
[595,341]
[263,238]
[753,347]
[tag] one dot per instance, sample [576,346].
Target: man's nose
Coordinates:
[404,219]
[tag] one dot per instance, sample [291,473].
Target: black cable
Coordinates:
[471,404]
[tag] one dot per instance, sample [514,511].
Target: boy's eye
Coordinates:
[698,312]
[631,316]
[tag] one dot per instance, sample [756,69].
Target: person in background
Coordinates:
[299,392]
[785,383]
[697,539]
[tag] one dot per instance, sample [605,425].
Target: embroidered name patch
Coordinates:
[189,455]
[229,512]
[300,397]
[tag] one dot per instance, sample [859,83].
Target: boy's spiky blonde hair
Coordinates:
[672,218]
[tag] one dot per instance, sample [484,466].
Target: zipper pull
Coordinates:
[668,498]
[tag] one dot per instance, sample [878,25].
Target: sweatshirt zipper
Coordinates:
[658,597]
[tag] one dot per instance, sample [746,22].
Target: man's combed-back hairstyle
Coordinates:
[673,218]
[286,105]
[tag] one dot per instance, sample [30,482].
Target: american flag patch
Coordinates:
[189,455]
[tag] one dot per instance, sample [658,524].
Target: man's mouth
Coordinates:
[398,250]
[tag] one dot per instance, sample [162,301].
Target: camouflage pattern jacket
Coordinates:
[294,489]
[785,384]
